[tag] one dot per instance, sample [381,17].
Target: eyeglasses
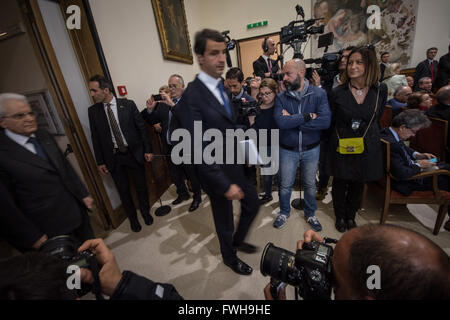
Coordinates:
[413,130]
[265,93]
[174,86]
[21,116]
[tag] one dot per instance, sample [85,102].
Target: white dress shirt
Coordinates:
[21,140]
[211,84]
[114,110]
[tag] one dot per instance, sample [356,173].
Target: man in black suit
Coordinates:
[384,63]
[427,68]
[405,162]
[210,106]
[121,145]
[443,76]
[161,112]
[265,67]
[41,195]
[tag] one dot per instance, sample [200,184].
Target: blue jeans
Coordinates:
[286,176]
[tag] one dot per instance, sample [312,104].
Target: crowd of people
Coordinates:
[331,129]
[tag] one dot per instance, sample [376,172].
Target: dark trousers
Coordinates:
[346,198]
[323,177]
[126,165]
[223,219]
[178,174]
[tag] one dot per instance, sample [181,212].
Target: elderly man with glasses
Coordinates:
[44,196]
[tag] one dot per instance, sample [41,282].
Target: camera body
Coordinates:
[247,108]
[329,66]
[309,269]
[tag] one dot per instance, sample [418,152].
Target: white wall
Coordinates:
[130,39]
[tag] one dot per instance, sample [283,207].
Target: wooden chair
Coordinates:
[386,117]
[432,139]
[435,196]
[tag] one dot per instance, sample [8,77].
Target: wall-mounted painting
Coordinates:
[347,20]
[173,31]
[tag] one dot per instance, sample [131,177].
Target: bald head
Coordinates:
[411,266]
[402,93]
[443,95]
[294,74]
[298,64]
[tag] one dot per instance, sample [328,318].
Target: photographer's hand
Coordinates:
[268,295]
[310,235]
[109,273]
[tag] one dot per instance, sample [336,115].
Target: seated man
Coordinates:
[411,266]
[400,99]
[425,85]
[405,162]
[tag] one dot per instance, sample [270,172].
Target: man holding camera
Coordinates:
[265,67]
[301,113]
[234,78]
[162,112]
[409,265]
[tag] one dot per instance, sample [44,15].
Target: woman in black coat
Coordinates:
[357,105]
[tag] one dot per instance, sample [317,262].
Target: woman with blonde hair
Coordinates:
[393,79]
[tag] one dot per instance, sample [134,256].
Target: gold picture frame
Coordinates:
[173,31]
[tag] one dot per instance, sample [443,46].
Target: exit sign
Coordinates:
[257,24]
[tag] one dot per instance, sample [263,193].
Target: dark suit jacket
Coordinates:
[443,71]
[401,169]
[199,104]
[260,67]
[132,126]
[423,70]
[382,69]
[37,197]
[161,115]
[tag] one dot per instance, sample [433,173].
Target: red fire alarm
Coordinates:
[122,90]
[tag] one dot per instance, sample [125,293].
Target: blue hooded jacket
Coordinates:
[313,100]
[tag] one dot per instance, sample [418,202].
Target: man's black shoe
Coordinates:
[351,224]
[265,198]
[240,267]
[180,199]
[246,247]
[340,225]
[194,206]
[148,219]
[135,225]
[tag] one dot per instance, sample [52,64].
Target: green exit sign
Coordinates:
[257,24]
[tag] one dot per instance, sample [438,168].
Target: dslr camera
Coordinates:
[247,108]
[65,248]
[309,270]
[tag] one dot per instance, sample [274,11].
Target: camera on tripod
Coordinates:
[248,108]
[309,270]
[298,31]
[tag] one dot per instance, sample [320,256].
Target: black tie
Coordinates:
[115,129]
[37,146]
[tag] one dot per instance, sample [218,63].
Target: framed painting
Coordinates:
[173,31]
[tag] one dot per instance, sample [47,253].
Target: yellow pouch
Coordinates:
[351,145]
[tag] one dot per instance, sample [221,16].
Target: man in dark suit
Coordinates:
[443,76]
[265,67]
[161,112]
[427,68]
[405,162]
[384,63]
[121,145]
[209,105]
[41,195]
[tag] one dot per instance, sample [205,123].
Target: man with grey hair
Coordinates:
[425,84]
[44,196]
[405,162]
[399,100]
[162,112]
[301,113]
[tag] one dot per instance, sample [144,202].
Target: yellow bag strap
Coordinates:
[371,120]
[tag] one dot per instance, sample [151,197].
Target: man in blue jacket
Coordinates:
[301,112]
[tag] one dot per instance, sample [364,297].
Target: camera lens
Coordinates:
[63,247]
[279,264]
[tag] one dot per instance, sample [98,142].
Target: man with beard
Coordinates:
[301,112]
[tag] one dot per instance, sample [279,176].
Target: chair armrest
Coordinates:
[429,174]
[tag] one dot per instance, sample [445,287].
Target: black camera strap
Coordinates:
[96,287]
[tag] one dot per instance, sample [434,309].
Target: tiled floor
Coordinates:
[182,248]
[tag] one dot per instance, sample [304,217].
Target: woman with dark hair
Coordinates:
[419,100]
[268,91]
[357,105]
